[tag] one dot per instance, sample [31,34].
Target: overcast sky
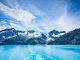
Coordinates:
[40,15]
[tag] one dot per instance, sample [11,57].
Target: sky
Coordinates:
[40,15]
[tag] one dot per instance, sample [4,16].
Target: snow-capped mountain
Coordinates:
[13,35]
[9,33]
[55,33]
[34,34]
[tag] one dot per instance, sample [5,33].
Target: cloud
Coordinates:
[62,18]
[68,23]
[48,16]
[2,27]
[17,27]
[17,13]
[36,10]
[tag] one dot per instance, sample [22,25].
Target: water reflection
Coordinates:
[40,52]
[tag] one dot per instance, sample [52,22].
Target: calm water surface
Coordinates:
[40,52]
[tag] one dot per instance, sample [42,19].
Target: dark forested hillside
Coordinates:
[73,37]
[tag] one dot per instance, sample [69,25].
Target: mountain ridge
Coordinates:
[16,37]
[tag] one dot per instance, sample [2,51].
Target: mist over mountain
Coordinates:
[13,36]
[16,37]
[55,33]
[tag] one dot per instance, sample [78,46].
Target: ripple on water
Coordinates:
[40,52]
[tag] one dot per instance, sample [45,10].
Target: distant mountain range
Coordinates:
[16,37]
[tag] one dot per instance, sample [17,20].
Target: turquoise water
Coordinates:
[40,52]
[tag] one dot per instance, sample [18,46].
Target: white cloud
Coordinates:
[17,13]
[36,10]
[56,17]
[25,17]
[2,27]
[17,27]
[68,23]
